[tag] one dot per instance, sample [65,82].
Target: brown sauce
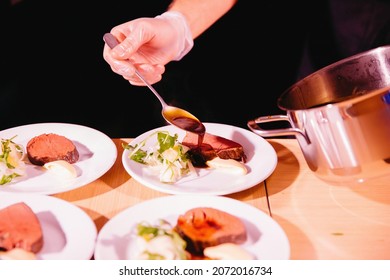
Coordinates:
[191,125]
[201,154]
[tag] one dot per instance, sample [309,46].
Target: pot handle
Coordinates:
[253,125]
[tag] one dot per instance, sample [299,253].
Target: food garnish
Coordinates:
[168,158]
[11,161]
[159,242]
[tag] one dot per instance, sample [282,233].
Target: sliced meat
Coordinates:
[49,147]
[213,146]
[203,227]
[20,228]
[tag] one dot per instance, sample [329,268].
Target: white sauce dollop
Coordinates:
[61,168]
[229,165]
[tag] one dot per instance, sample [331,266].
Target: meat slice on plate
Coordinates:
[214,146]
[50,147]
[20,228]
[203,227]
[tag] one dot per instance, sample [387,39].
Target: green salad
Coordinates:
[11,161]
[159,242]
[168,158]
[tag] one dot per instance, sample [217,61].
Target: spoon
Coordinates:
[173,115]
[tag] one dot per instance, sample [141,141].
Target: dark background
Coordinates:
[52,67]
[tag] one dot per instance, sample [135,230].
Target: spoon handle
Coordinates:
[111,41]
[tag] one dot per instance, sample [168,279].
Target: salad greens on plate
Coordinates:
[168,158]
[11,160]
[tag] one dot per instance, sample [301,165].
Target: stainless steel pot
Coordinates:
[340,116]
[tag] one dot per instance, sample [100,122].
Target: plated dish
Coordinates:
[261,162]
[68,232]
[97,155]
[266,239]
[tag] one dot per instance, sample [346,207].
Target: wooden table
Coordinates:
[322,221]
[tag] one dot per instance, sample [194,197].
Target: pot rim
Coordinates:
[376,51]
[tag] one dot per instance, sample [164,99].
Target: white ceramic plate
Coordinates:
[266,239]
[97,155]
[68,232]
[261,162]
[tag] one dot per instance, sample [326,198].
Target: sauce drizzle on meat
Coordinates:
[191,125]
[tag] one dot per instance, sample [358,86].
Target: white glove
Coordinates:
[184,41]
[149,44]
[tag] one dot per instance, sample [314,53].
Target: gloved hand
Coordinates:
[148,44]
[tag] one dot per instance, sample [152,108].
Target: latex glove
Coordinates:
[148,44]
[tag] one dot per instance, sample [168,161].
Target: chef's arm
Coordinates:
[201,14]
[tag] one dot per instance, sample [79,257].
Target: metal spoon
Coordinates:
[173,115]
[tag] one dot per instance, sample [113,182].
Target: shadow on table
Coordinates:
[301,241]
[286,171]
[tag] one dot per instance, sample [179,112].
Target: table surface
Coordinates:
[321,221]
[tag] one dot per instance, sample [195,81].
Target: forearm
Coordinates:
[201,14]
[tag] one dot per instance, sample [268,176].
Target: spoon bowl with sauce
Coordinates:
[173,115]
